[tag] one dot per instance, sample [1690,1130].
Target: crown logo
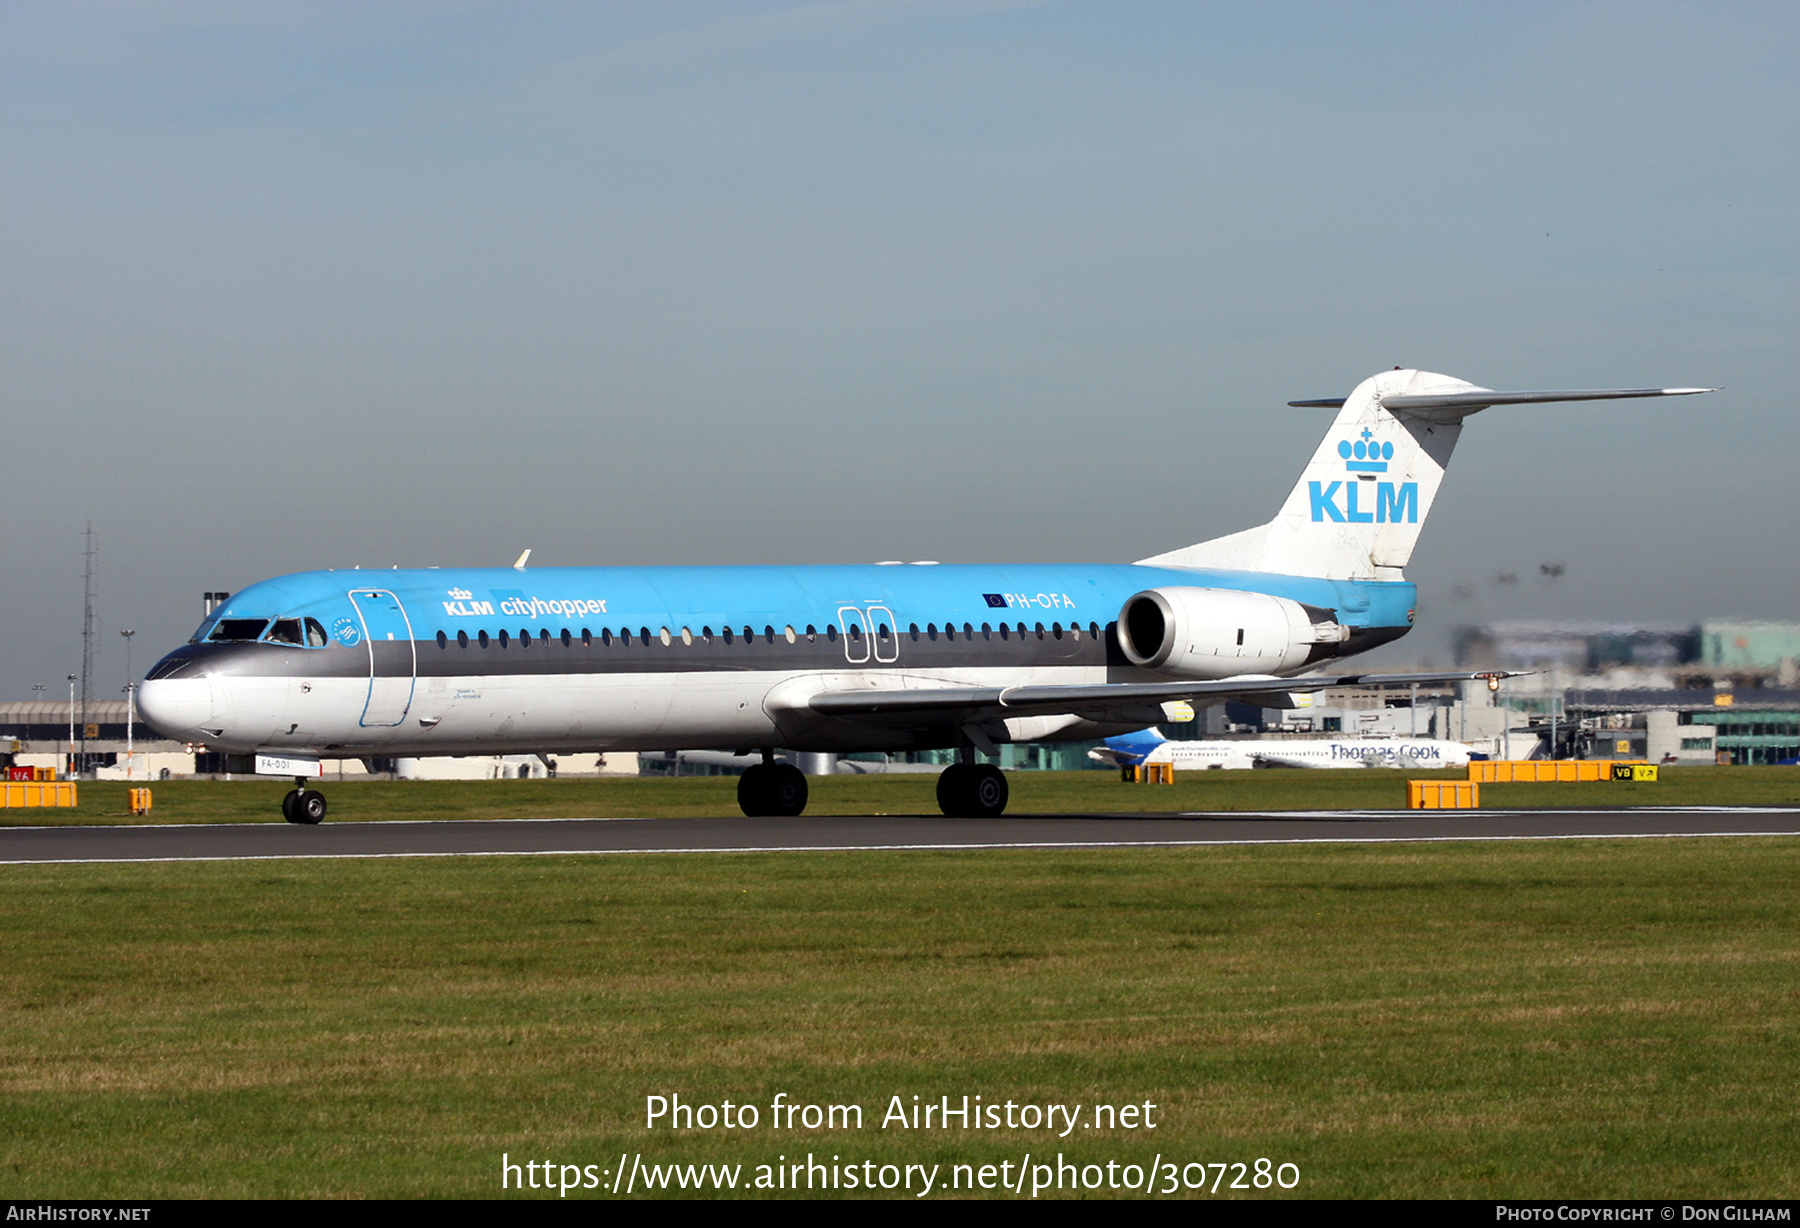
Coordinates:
[1366,455]
[463,594]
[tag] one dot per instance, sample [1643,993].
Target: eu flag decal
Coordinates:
[996,601]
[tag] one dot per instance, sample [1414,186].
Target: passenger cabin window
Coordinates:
[443,640]
[503,638]
[484,638]
[238,631]
[462,639]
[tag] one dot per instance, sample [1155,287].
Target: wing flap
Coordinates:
[1107,701]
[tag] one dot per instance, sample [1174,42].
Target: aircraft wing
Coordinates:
[1124,702]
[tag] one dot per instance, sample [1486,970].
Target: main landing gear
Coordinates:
[965,790]
[303,805]
[770,789]
[970,790]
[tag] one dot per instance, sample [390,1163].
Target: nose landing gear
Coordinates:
[303,805]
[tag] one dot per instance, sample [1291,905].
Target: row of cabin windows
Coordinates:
[644,636]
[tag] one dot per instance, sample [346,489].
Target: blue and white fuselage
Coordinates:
[456,662]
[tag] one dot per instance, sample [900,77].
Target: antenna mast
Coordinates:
[89,629]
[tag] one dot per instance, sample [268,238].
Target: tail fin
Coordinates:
[1128,749]
[1357,510]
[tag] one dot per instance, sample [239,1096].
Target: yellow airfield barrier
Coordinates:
[16,793]
[1522,771]
[1443,795]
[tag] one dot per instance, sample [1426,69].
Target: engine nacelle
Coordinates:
[1219,633]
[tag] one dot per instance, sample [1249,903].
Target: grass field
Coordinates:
[1574,1018]
[259,801]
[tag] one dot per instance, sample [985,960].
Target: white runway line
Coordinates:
[905,848]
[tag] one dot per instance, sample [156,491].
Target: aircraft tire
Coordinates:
[972,791]
[309,807]
[953,796]
[786,790]
[753,791]
[987,791]
[287,805]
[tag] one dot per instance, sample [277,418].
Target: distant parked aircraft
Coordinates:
[1149,746]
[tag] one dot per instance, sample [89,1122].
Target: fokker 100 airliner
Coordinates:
[346,664]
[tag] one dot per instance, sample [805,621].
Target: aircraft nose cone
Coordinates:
[177,708]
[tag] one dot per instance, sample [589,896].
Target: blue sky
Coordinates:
[321,285]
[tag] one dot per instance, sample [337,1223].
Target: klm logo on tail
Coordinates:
[1392,502]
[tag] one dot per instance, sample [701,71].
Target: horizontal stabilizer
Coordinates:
[1472,401]
[1469,402]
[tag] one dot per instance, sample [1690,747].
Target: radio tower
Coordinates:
[89,630]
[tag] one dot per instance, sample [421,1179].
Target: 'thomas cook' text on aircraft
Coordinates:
[344,664]
[1137,749]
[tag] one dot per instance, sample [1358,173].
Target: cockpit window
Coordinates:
[315,634]
[285,631]
[237,631]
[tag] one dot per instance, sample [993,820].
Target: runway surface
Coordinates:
[526,837]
